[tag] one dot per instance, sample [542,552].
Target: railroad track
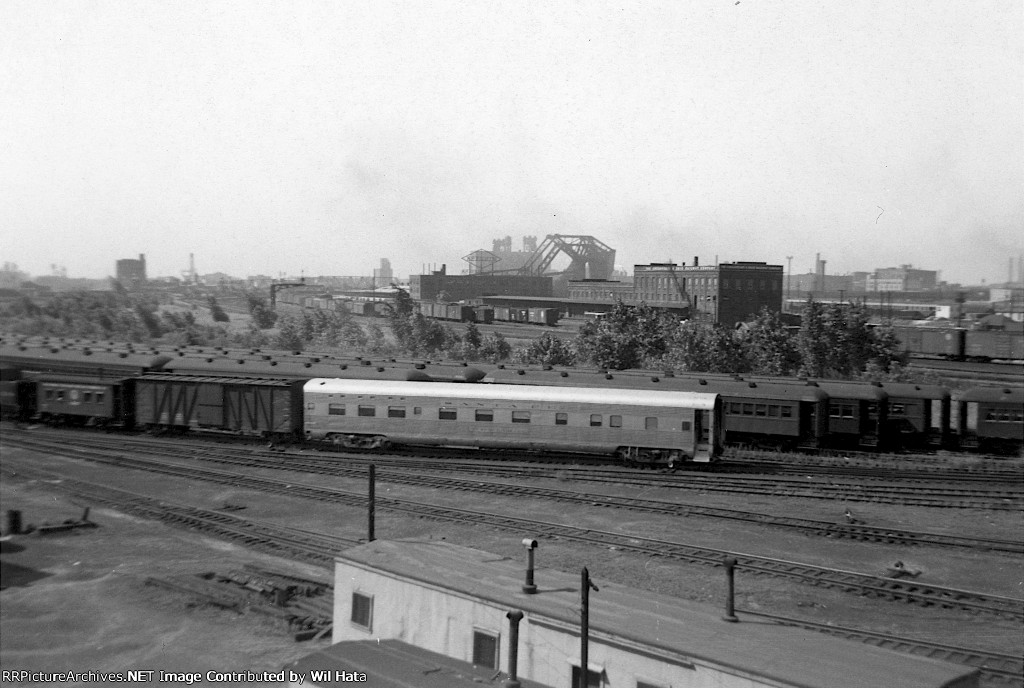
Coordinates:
[853,531]
[998,497]
[319,549]
[309,546]
[845,581]
[996,668]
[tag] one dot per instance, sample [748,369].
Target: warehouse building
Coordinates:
[473,607]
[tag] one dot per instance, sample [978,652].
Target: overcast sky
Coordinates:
[322,136]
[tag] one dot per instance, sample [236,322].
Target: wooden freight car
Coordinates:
[244,406]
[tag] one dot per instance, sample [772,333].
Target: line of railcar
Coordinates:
[961,344]
[356,406]
[451,312]
[252,392]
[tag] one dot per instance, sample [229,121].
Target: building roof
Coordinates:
[394,664]
[515,393]
[667,625]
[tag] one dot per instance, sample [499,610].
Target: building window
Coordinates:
[520,416]
[485,649]
[615,421]
[486,415]
[336,409]
[362,611]
[561,419]
[595,420]
[447,413]
[396,412]
[593,678]
[368,411]
[651,423]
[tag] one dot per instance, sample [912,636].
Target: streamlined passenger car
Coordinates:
[639,426]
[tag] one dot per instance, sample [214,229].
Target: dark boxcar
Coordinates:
[994,344]
[543,316]
[941,342]
[992,419]
[246,406]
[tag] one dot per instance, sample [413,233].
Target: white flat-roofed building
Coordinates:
[454,601]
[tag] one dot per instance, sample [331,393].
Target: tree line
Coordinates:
[833,341]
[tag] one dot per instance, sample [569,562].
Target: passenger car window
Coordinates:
[595,420]
[447,413]
[520,416]
[336,409]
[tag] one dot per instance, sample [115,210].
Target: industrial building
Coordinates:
[505,617]
[440,286]
[726,293]
[131,273]
[903,278]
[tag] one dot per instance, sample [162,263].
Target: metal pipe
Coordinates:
[529,588]
[730,575]
[372,503]
[514,617]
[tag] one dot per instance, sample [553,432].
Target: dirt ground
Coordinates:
[79,600]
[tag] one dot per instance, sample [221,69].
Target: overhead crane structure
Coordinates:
[590,258]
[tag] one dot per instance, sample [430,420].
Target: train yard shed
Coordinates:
[461,602]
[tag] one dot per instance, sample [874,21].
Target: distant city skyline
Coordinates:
[269,137]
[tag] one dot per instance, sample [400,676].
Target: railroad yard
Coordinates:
[925,548]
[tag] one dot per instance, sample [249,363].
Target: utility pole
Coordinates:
[585,585]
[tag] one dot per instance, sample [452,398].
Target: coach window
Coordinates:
[417,410]
[485,415]
[773,411]
[396,412]
[335,409]
[86,397]
[595,420]
[748,409]
[99,397]
[520,416]
[760,410]
[787,411]
[686,426]
[615,421]
[49,394]
[561,419]
[897,410]
[362,611]
[735,408]
[485,649]
[447,413]
[368,411]
[60,395]
[651,423]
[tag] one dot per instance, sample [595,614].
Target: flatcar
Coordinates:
[638,426]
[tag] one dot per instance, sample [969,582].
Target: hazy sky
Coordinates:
[321,136]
